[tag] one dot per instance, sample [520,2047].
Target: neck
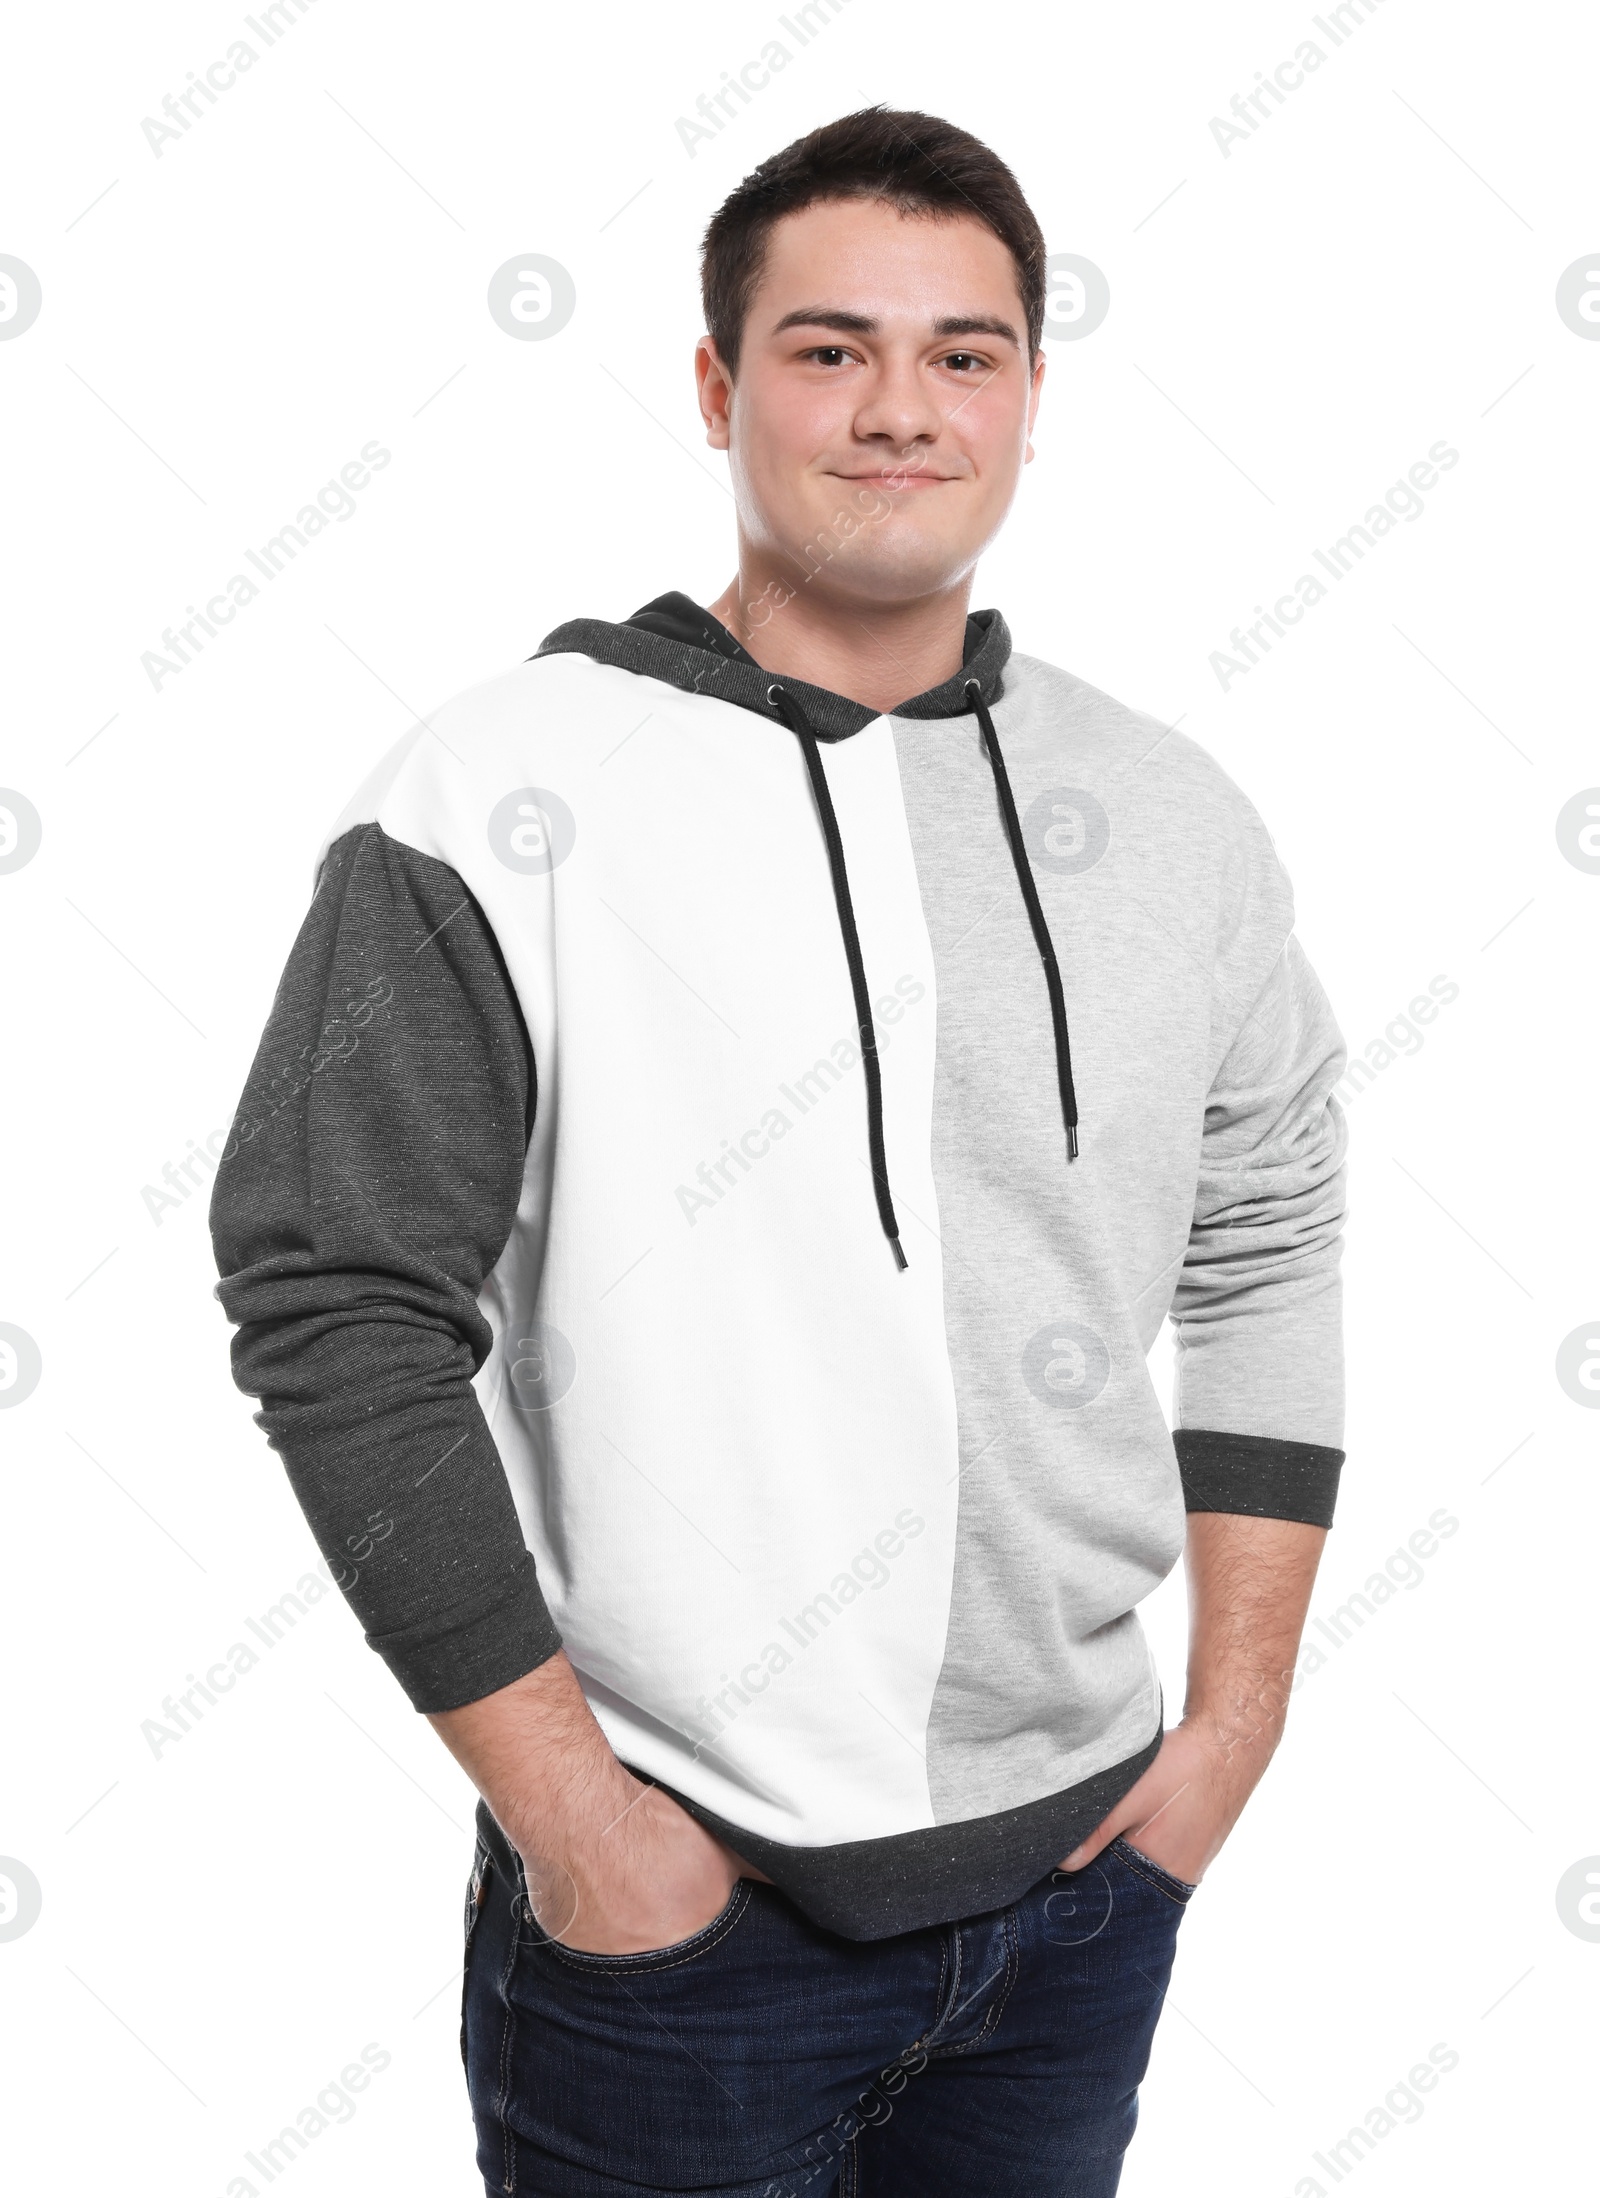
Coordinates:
[876,654]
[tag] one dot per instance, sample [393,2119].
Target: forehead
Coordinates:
[868,257]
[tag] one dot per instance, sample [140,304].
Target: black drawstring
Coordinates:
[788,708]
[1041,930]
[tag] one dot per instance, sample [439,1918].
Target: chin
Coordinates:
[885,572]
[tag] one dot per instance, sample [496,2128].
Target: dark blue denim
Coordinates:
[768,2058]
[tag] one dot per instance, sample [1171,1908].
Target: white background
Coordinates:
[223,327]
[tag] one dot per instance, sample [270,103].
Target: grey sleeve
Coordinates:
[368,1186]
[1260,1383]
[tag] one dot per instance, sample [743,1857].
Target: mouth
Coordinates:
[899,478]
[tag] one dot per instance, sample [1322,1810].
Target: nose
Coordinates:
[899,407]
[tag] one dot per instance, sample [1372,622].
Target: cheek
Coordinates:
[788,423]
[778,457]
[993,432]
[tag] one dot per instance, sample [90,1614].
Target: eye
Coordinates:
[827,354]
[965,361]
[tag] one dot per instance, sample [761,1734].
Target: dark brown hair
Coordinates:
[914,162]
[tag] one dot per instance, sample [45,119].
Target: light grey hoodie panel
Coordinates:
[1200,1039]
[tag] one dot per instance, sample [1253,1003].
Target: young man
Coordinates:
[749,1087]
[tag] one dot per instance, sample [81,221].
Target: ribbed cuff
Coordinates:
[1257,1475]
[462,1656]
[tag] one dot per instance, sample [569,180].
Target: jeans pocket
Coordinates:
[653,1958]
[477,1894]
[1176,1888]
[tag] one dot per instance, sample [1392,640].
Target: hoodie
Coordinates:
[717,1161]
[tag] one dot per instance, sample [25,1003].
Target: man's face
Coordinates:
[884,398]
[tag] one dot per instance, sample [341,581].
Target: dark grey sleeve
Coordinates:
[368,1185]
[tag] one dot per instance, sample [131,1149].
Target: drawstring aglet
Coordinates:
[900,1258]
[1072,1140]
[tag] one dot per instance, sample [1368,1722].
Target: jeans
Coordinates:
[767,2058]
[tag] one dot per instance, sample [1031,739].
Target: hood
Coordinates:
[675,640]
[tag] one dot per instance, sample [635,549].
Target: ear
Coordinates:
[1035,390]
[715,387]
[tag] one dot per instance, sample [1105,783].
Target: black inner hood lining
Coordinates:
[675,640]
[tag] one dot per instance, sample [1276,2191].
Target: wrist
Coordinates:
[1241,1735]
[569,1827]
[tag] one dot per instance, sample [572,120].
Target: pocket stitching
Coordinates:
[686,1950]
[471,1913]
[1146,1866]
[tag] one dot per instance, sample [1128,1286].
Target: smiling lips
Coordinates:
[900,479]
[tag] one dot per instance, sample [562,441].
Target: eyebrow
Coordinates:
[863,324]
